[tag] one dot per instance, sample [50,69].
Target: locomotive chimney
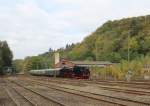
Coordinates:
[57,59]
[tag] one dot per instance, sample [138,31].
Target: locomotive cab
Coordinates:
[81,72]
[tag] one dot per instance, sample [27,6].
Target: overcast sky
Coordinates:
[31,27]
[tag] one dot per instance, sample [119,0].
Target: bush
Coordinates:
[119,71]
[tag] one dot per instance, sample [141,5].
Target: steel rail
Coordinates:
[61,104]
[59,88]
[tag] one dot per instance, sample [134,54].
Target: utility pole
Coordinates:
[128,51]
[129,73]
[96,52]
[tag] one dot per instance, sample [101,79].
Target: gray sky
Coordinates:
[31,27]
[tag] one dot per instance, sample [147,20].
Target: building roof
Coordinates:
[67,63]
[92,62]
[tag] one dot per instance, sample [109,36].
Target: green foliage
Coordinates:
[18,65]
[33,63]
[43,61]
[110,41]
[120,70]
[5,56]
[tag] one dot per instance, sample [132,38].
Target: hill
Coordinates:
[109,42]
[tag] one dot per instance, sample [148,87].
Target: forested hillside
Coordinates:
[108,43]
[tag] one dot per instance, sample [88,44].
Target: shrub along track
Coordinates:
[106,98]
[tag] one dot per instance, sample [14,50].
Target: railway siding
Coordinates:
[67,98]
[81,92]
[37,98]
[78,82]
[124,100]
[19,99]
[105,86]
[5,98]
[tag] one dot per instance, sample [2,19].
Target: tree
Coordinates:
[1,62]
[18,65]
[34,63]
[6,56]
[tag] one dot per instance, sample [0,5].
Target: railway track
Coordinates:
[130,91]
[106,98]
[141,85]
[11,101]
[34,98]
[132,82]
[18,98]
[123,84]
[100,102]
[110,88]
[116,89]
[5,98]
